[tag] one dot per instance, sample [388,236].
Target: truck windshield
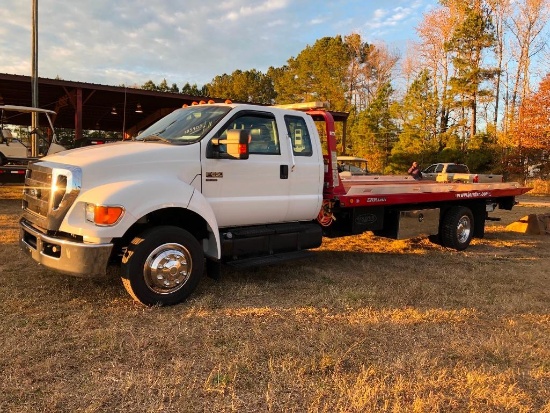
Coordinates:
[184,125]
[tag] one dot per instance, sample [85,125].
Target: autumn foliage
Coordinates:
[532,129]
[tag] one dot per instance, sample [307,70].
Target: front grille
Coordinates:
[50,190]
[37,193]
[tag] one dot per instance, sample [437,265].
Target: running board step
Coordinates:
[270,259]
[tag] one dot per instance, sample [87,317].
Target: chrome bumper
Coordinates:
[73,258]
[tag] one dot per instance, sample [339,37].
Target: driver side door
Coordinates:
[254,190]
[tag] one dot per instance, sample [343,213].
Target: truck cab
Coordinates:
[222,181]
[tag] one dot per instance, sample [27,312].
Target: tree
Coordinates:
[163,86]
[500,10]
[526,27]
[374,133]
[418,139]
[318,73]
[531,130]
[471,37]
[248,86]
[149,85]
[370,69]
[435,30]
[194,90]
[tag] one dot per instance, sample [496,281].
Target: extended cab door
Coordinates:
[254,190]
[306,170]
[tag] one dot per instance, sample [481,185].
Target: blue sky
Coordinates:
[130,42]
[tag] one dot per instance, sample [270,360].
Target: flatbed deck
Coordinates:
[368,190]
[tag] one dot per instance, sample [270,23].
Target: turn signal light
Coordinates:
[103,215]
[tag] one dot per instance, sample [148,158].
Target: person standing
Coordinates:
[415,172]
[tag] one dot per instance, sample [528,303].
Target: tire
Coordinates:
[457,228]
[162,266]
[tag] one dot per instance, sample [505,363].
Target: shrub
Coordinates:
[540,186]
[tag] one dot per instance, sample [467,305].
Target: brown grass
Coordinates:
[368,325]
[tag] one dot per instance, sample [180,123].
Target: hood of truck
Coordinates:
[128,160]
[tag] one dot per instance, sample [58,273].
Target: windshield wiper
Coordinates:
[156,138]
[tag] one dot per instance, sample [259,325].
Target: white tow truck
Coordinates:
[238,184]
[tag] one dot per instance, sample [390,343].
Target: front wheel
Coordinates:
[457,228]
[162,266]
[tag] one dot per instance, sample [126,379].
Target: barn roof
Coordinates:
[97,102]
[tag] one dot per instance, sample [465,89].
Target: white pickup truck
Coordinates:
[456,172]
[225,183]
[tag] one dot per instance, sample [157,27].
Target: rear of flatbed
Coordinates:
[452,214]
[400,207]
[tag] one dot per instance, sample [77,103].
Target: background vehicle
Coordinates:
[352,166]
[455,172]
[238,184]
[14,154]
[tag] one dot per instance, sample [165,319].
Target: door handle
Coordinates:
[284,172]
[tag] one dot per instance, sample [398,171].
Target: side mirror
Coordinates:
[236,145]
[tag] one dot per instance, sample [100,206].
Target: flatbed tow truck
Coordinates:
[237,184]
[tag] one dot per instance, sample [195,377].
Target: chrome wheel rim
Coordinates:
[167,268]
[463,229]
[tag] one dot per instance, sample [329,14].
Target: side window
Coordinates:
[263,138]
[299,135]
[439,168]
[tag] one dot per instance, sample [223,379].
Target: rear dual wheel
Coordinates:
[457,228]
[162,266]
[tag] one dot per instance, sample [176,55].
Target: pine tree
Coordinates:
[471,37]
[244,86]
[318,73]
[419,140]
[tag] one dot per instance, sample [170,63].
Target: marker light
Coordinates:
[242,148]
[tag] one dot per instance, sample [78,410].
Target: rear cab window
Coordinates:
[299,135]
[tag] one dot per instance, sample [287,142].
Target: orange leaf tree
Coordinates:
[531,131]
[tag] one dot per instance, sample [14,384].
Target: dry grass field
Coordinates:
[367,325]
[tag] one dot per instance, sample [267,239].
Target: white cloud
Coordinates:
[131,42]
[390,18]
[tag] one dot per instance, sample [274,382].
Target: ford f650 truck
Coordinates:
[226,183]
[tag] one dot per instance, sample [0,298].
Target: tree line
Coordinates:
[463,92]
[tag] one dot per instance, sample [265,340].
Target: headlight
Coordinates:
[103,215]
[59,188]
